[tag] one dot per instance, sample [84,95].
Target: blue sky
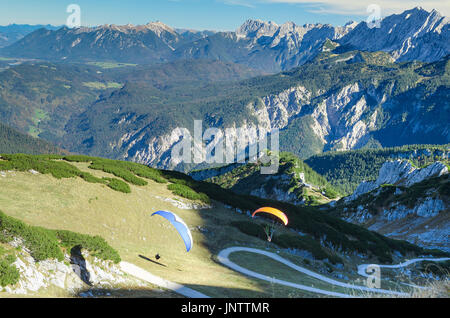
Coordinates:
[203,14]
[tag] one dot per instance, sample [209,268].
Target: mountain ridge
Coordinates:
[414,34]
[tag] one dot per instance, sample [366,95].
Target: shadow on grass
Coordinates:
[98,292]
[150,260]
[213,291]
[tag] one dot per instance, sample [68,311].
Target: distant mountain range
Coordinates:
[341,97]
[415,34]
[14,32]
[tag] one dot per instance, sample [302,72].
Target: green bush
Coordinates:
[331,193]
[96,245]
[60,167]
[301,243]
[118,185]
[42,243]
[9,274]
[186,192]
[45,164]
[79,158]
[143,171]
[118,171]
[122,169]
[250,228]
[46,244]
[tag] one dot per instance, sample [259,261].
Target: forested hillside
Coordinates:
[12,141]
[294,181]
[338,102]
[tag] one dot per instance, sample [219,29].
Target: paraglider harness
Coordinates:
[269,229]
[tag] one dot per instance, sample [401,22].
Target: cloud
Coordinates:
[357,7]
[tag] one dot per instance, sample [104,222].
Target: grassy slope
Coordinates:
[123,219]
[44,244]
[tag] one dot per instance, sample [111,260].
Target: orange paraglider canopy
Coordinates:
[274,212]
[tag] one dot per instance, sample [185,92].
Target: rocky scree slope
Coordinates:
[405,202]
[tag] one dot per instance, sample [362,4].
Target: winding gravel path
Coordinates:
[362,268]
[223,257]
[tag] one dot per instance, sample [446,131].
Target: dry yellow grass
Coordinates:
[124,221]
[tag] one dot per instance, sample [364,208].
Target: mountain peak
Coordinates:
[351,23]
[419,11]
[257,27]
[418,8]
[159,27]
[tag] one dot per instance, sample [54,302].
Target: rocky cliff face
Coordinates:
[426,223]
[273,111]
[400,173]
[276,110]
[342,121]
[415,34]
[404,202]
[290,44]
[75,276]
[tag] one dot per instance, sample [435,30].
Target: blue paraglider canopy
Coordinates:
[179,225]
